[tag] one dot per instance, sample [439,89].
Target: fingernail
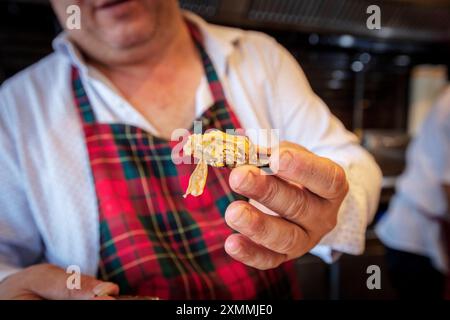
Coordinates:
[104,289]
[241,216]
[232,247]
[285,160]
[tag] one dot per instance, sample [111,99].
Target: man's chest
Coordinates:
[168,109]
[165,99]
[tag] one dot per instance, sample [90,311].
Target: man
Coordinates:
[416,227]
[87,178]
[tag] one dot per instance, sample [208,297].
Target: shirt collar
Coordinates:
[62,44]
[219,42]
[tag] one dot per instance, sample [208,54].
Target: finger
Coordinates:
[289,201]
[274,233]
[50,282]
[244,250]
[319,175]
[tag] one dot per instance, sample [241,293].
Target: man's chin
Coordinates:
[127,36]
[126,41]
[122,51]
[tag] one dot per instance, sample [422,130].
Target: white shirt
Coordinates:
[47,197]
[419,193]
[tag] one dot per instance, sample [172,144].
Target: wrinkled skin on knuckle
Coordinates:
[267,191]
[329,221]
[267,263]
[257,226]
[290,243]
[251,258]
[298,207]
[303,167]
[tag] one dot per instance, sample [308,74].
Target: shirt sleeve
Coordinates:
[445,138]
[20,243]
[306,120]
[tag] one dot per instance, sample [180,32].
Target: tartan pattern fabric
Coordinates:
[153,241]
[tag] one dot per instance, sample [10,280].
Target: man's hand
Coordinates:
[46,281]
[306,193]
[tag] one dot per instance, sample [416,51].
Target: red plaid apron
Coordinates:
[153,242]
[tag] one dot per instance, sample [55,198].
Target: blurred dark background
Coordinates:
[376,81]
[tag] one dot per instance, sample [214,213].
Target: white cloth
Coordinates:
[47,198]
[419,192]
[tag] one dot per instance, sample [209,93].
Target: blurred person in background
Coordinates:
[416,227]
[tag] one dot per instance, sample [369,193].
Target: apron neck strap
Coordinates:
[215,85]
[81,99]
